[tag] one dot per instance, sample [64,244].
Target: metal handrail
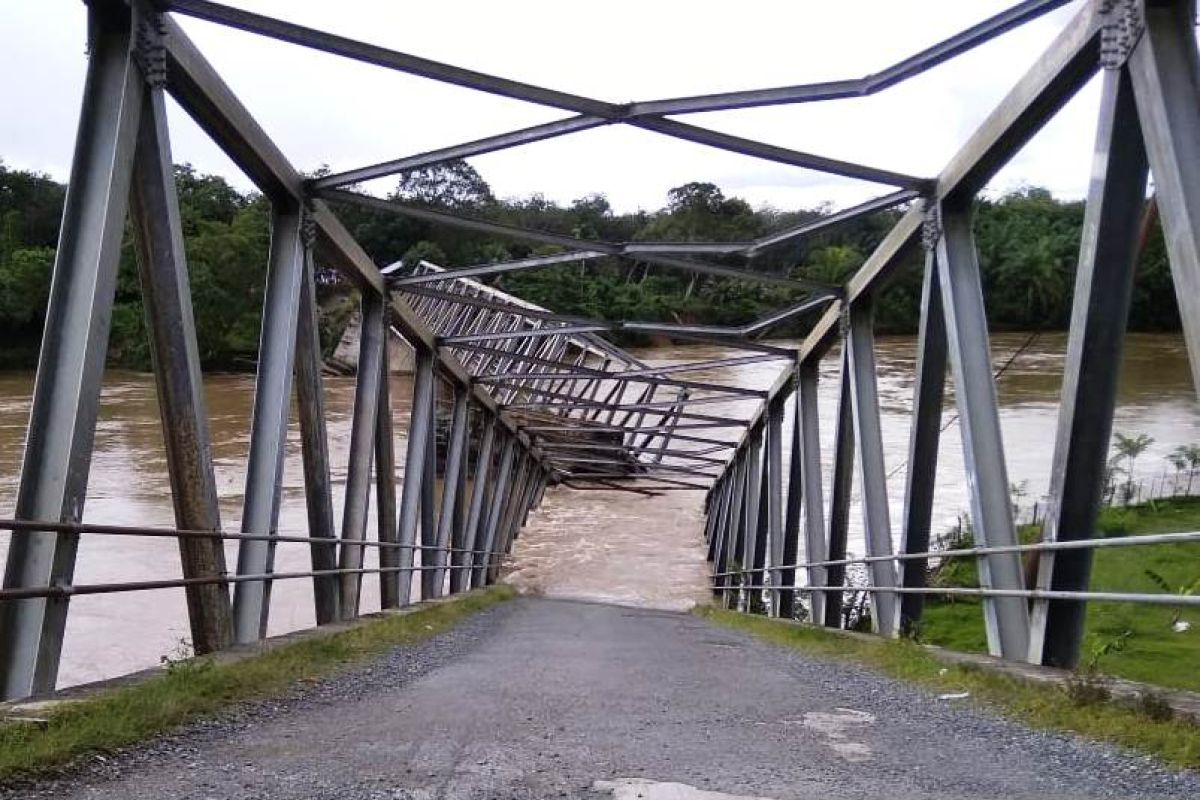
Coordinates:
[30,592]
[34,526]
[1075,544]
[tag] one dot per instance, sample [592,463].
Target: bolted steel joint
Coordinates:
[931,229]
[308,227]
[1120,31]
[149,52]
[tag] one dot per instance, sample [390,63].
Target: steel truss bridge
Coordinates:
[537,398]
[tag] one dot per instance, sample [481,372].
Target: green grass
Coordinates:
[1152,652]
[1174,741]
[201,687]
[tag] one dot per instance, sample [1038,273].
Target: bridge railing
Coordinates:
[123,165]
[774,530]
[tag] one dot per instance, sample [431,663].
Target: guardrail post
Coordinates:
[1103,290]
[1006,618]
[314,440]
[868,433]
[1165,70]
[420,425]
[928,391]
[62,422]
[363,439]
[174,353]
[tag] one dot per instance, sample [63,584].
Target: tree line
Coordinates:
[1028,244]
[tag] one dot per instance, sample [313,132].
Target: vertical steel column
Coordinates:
[480,482]
[455,461]
[737,526]
[753,497]
[429,537]
[712,522]
[872,471]
[362,449]
[1006,618]
[385,480]
[268,427]
[167,301]
[514,513]
[314,441]
[806,471]
[1103,290]
[724,529]
[758,541]
[62,421]
[414,466]
[928,390]
[791,520]
[773,491]
[1166,84]
[840,487]
[498,499]
[460,542]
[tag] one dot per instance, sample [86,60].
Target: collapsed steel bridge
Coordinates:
[537,398]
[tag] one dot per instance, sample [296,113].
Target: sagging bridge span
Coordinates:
[537,399]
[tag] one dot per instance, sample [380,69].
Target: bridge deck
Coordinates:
[544,698]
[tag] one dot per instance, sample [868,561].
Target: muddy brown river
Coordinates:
[601,545]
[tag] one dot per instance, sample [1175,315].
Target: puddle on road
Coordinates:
[642,789]
[614,547]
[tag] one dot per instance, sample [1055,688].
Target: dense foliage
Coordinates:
[1028,245]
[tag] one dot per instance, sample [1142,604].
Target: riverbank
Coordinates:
[1152,644]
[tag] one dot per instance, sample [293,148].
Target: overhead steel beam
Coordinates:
[490,144]
[205,96]
[779,155]
[499,267]
[856,87]
[832,220]
[383,57]
[557,239]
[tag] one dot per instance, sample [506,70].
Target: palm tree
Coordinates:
[1129,448]
[1185,456]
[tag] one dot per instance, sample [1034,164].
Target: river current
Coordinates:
[601,545]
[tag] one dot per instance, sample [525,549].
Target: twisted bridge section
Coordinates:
[536,398]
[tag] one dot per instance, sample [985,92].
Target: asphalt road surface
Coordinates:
[547,698]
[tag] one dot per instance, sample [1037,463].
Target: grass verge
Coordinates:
[1175,741]
[190,690]
[1150,650]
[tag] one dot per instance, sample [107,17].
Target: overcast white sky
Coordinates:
[326,110]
